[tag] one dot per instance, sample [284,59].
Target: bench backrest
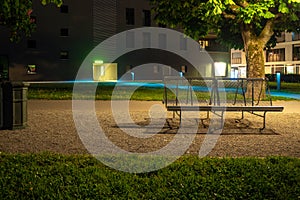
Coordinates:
[216,91]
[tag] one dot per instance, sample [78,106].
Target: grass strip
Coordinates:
[104,91]
[53,176]
[286,87]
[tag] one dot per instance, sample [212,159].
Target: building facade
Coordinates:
[66,35]
[283,58]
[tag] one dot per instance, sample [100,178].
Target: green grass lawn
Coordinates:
[52,176]
[64,91]
[286,87]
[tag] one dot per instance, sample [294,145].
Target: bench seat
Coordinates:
[227,108]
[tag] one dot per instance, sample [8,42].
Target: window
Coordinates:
[31,44]
[162,41]
[203,43]
[276,55]
[236,58]
[220,68]
[146,40]
[64,32]
[213,45]
[130,16]
[4,65]
[296,52]
[183,43]
[296,36]
[280,37]
[64,9]
[64,55]
[33,19]
[31,69]
[128,68]
[130,39]
[183,69]
[162,25]
[146,18]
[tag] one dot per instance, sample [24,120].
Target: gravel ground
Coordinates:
[51,128]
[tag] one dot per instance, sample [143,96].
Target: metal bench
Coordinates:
[218,96]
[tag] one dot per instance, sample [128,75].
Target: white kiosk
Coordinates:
[105,71]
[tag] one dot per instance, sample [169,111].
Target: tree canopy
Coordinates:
[229,18]
[251,25]
[16,16]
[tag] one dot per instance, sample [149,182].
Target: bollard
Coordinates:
[278,79]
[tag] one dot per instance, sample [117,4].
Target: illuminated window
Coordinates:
[130,16]
[220,69]
[296,52]
[236,58]
[290,69]
[64,55]
[276,55]
[31,69]
[183,69]
[203,43]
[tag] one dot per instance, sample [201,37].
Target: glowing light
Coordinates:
[220,69]
[98,62]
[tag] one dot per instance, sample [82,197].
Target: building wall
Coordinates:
[63,40]
[50,44]
[284,57]
[105,22]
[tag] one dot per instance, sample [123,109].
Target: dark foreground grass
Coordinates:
[49,176]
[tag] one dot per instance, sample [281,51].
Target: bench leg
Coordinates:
[264,121]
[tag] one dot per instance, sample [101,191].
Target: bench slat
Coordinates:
[225,108]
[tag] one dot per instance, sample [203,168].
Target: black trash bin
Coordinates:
[1,106]
[14,104]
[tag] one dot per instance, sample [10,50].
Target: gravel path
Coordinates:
[51,128]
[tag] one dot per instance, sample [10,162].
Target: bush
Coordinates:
[288,78]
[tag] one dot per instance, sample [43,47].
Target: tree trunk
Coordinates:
[255,69]
[254,49]
[255,60]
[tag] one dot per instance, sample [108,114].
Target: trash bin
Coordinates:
[1,107]
[14,103]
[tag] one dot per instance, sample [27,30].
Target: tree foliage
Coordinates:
[16,16]
[265,19]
